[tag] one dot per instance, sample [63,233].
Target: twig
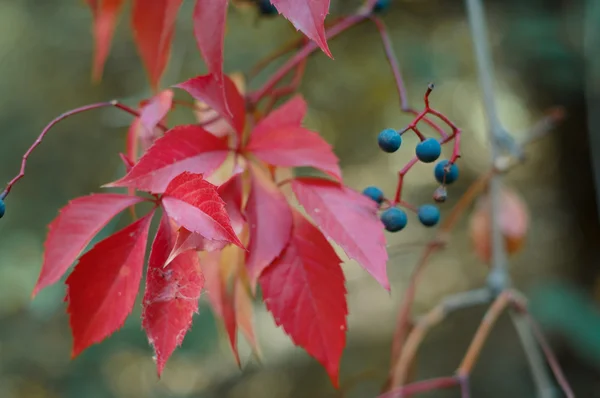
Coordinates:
[422,386]
[487,323]
[58,119]
[543,382]
[433,317]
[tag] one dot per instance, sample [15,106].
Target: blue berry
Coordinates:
[266,8]
[382,5]
[374,193]
[451,175]
[389,140]
[429,215]
[394,219]
[429,150]
[2,208]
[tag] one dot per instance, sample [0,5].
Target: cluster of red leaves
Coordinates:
[228,237]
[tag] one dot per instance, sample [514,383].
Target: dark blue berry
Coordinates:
[429,150]
[451,175]
[389,140]
[429,215]
[394,219]
[2,208]
[382,5]
[374,193]
[266,8]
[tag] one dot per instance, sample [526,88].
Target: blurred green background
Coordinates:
[542,60]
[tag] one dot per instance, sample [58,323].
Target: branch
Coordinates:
[425,323]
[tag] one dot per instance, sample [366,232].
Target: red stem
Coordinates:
[394,64]
[301,55]
[60,118]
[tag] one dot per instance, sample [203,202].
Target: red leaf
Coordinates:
[206,88]
[76,225]
[105,14]
[153,24]
[221,302]
[295,147]
[291,113]
[102,288]
[193,203]
[304,290]
[231,192]
[308,16]
[186,241]
[171,296]
[183,148]
[270,222]
[126,161]
[244,313]
[350,219]
[209,29]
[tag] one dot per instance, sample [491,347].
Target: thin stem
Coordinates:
[425,323]
[487,323]
[58,119]
[422,386]
[304,52]
[395,66]
[498,277]
[543,383]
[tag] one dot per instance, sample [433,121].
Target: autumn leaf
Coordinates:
[308,16]
[304,290]
[132,139]
[171,295]
[270,221]
[290,113]
[206,88]
[105,14]
[194,203]
[74,228]
[153,24]
[231,192]
[183,148]
[102,288]
[244,310]
[349,219]
[222,303]
[209,119]
[209,29]
[513,223]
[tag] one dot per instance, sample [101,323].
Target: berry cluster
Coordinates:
[428,150]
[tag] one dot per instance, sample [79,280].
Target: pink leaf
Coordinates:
[304,290]
[105,14]
[183,148]
[207,89]
[270,223]
[156,109]
[350,219]
[291,113]
[295,147]
[171,296]
[308,16]
[74,228]
[193,203]
[102,288]
[153,24]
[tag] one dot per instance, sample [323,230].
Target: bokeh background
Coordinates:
[547,53]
